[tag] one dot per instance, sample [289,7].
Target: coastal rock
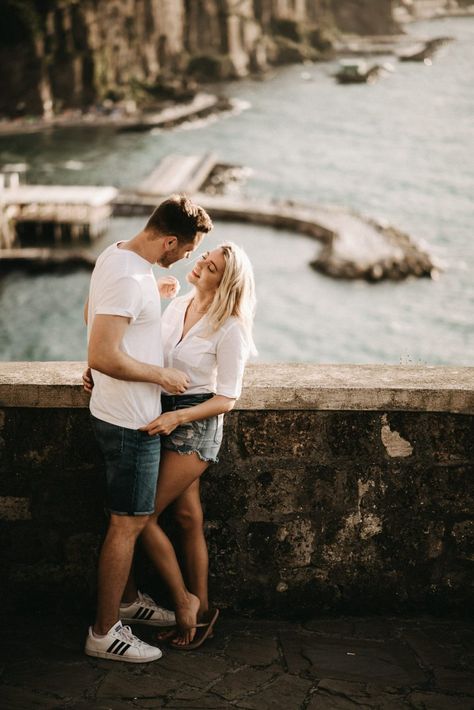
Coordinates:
[374,252]
[59,55]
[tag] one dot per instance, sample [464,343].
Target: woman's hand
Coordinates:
[168,286]
[164,424]
[87,381]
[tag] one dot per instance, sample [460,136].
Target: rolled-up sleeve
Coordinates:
[232,354]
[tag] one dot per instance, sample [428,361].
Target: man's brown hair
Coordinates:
[179,217]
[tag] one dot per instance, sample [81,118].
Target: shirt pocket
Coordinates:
[199,352]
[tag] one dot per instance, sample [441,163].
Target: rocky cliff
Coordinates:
[65,53]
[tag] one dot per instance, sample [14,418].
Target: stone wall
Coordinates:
[340,488]
[64,53]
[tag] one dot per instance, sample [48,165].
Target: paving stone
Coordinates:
[341,628]
[253,650]
[106,704]
[389,663]
[454,681]
[292,643]
[345,695]
[192,667]
[374,629]
[435,701]
[432,653]
[243,681]
[207,702]
[65,681]
[12,698]
[288,691]
[152,682]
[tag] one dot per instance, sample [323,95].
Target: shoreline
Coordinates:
[204,103]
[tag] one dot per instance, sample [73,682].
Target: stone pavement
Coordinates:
[324,664]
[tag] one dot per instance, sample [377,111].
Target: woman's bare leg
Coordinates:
[189,515]
[177,472]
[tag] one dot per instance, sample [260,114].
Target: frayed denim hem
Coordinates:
[194,451]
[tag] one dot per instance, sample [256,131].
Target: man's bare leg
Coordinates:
[114,567]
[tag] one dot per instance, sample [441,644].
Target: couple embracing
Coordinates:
[160,386]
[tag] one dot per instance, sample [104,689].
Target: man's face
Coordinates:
[176,251]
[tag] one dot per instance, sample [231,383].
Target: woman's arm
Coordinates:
[167,422]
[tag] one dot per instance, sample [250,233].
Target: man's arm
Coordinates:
[104,355]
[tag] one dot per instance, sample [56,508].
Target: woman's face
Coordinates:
[208,271]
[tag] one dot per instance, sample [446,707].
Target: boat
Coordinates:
[358,72]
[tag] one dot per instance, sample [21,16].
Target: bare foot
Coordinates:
[167,634]
[186,619]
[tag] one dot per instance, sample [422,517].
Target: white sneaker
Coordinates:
[145,611]
[119,644]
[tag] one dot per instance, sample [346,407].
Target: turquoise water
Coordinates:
[401,149]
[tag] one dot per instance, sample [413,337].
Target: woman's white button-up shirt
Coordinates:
[214,360]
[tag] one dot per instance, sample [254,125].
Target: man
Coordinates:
[125,356]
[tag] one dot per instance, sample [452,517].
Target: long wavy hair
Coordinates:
[235,295]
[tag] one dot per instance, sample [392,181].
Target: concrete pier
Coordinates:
[179,173]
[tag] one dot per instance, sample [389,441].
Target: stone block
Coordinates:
[385,663]
[438,701]
[253,650]
[245,680]
[287,691]
[289,435]
[463,534]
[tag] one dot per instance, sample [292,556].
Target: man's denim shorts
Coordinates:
[203,437]
[132,460]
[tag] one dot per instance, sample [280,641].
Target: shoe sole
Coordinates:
[146,623]
[124,659]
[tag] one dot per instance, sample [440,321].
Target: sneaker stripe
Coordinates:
[144,613]
[112,645]
[126,647]
[149,615]
[137,613]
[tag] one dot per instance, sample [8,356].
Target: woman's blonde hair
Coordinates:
[235,295]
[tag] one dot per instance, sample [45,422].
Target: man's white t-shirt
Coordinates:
[214,360]
[123,284]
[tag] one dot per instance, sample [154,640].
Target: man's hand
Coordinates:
[174,381]
[168,286]
[87,380]
[164,424]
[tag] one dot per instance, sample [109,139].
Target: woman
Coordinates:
[207,334]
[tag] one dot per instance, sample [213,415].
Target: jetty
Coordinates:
[424,52]
[43,226]
[179,173]
[36,259]
[353,246]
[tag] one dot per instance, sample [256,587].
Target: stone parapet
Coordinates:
[274,386]
[338,488]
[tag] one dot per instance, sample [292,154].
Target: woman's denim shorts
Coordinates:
[203,437]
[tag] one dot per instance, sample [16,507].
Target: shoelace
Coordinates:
[127,635]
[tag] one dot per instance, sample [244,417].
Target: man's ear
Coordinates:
[170,243]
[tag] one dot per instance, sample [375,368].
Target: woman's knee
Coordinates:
[189,518]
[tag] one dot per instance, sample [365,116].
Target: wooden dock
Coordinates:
[42,259]
[353,246]
[57,214]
